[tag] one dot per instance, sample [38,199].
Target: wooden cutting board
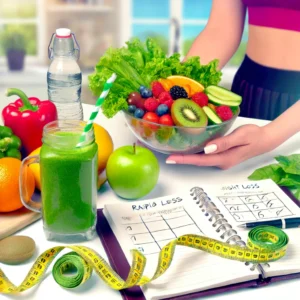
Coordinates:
[12,222]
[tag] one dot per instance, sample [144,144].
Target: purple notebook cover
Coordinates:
[119,263]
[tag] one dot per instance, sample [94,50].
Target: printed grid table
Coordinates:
[151,233]
[253,208]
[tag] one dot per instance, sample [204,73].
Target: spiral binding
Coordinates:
[227,233]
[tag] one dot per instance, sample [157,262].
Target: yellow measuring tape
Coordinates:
[265,244]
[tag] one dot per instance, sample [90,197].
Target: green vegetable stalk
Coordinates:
[9,143]
[140,64]
[285,173]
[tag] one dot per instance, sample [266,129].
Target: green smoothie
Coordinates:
[69,186]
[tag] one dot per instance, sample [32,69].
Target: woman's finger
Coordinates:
[195,159]
[224,160]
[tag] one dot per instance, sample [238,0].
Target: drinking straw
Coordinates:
[107,86]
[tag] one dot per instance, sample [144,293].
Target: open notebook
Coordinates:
[210,210]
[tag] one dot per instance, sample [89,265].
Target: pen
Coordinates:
[281,223]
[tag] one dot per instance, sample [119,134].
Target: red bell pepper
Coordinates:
[27,117]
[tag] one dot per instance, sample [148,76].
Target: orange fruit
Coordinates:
[9,184]
[213,107]
[194,86]
[188,89]
[35,169]
[166,83]
[105,148]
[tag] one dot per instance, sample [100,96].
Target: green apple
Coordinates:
[132,171]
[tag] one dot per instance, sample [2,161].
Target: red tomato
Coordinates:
[166,120]
[151,117]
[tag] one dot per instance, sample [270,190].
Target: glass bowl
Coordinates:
[176,139]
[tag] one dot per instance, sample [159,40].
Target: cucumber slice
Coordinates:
[217,101]
[211,115]
[223,94]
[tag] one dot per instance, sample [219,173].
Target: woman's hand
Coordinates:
[243,143]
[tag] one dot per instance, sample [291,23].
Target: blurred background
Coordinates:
[26,27]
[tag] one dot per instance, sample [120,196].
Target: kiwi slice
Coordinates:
[188,114]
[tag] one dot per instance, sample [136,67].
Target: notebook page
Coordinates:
[150,224]
[258,201]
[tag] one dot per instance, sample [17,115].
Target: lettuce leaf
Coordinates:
[139,64]
[290,164]
[205,74]
[296,192]
[273,171]
[284,173]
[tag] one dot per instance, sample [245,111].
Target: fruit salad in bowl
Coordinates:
[169,105]
[178,115]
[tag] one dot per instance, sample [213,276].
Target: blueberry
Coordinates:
[142,88]
[131,109]
[146,93]
[139,113]
[162,110]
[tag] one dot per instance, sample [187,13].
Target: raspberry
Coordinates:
[200,98]
[151,104]
[165,98]
[157,89]
[169,103]
[178,92]
[224,112]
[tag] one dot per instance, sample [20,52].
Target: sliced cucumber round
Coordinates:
[217,101]
[223,94]
[211,115]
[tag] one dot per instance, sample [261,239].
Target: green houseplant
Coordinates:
[14,46]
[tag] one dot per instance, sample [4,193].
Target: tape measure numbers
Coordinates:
[265,244]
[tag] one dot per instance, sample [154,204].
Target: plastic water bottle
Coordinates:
[64,76]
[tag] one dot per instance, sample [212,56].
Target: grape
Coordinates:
[135,99]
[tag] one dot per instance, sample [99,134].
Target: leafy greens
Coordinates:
[140,64]
[285,173]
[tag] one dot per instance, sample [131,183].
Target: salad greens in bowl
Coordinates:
[170,105]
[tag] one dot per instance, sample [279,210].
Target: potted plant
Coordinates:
[13,44]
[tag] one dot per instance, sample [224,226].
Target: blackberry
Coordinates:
[177,92]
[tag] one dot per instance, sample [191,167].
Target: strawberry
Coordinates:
[200,98]
[151,104]
[157,88]
[224,112]
[165,98]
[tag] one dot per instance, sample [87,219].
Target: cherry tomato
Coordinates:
[136,99]
[151,117]
[166,120]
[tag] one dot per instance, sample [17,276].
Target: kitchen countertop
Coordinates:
[172,179]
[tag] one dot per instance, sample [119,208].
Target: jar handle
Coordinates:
[24,195]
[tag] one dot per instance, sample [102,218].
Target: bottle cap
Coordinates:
[63,33]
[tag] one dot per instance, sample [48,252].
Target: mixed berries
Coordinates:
[154,104]
[201,99]
[224,112]
[177,92]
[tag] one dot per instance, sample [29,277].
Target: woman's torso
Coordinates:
[274,33]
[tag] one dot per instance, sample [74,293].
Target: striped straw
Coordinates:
[107,86]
